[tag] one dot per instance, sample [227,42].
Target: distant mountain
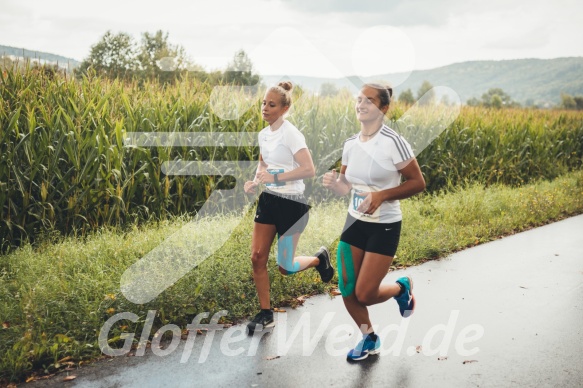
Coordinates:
[528,81]
[42,57]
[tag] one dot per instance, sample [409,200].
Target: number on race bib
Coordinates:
[358,198]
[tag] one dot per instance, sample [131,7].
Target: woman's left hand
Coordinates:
[265,177]
[371,203]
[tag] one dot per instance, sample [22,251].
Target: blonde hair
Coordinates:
[284,89]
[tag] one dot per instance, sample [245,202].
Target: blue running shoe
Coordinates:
[406,301]
[365,347]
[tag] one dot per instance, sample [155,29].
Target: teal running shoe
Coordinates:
[406,301]
[365,347]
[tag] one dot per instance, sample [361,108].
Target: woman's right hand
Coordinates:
[330,179]
[250,186]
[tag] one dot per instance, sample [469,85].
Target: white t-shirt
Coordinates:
[371,166]
[278,149]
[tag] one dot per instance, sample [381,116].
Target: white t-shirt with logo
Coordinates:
[371,166]
[278,149]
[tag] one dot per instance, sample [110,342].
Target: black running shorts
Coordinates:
[371,236]
[289,213]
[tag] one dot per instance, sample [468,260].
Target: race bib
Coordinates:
[275,171]
[358,197]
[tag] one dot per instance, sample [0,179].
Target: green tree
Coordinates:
[445,100]
[114,56]
[159,59]
[426,91]
[473,102]
[406,97]
[530,103]
[328,89]
[578,102]
[240,70]
[567,101]
[497,98]
[496,101]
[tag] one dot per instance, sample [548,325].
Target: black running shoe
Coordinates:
[262,320]
[325,268]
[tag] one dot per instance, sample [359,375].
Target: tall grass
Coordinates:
[64,165]
[511,146]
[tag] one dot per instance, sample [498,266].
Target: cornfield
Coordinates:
[66,165]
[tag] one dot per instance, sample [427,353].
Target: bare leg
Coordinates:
[369,289]
[263,235]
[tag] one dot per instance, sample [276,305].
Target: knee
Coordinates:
[284,271]
[259,259]
[366,297]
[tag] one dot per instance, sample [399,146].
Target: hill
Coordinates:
[528,81]
[42,57]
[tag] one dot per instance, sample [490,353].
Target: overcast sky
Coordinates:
[331,38]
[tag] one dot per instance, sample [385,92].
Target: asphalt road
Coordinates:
[502,314]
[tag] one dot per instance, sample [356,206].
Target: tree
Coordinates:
[114,56]
[497,98]
[406,97]
[494,98]
[571,102]
[426,94]
[119,56]
[240,70]
[160,59]
[473,102]
[445,100]
[567,101]
[328,89]
[496,101]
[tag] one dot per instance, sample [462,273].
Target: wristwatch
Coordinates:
[275,180]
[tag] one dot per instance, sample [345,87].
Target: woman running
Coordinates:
[282,210]
[373,162]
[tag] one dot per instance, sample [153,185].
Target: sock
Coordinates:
[402,289]
[267,311]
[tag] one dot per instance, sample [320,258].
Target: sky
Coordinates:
[321,38]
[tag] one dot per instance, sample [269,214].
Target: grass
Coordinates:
[439,224]
[55,297]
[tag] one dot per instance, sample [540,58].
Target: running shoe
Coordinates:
[365,347]
[325,269]
[406,300]
[262,320]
